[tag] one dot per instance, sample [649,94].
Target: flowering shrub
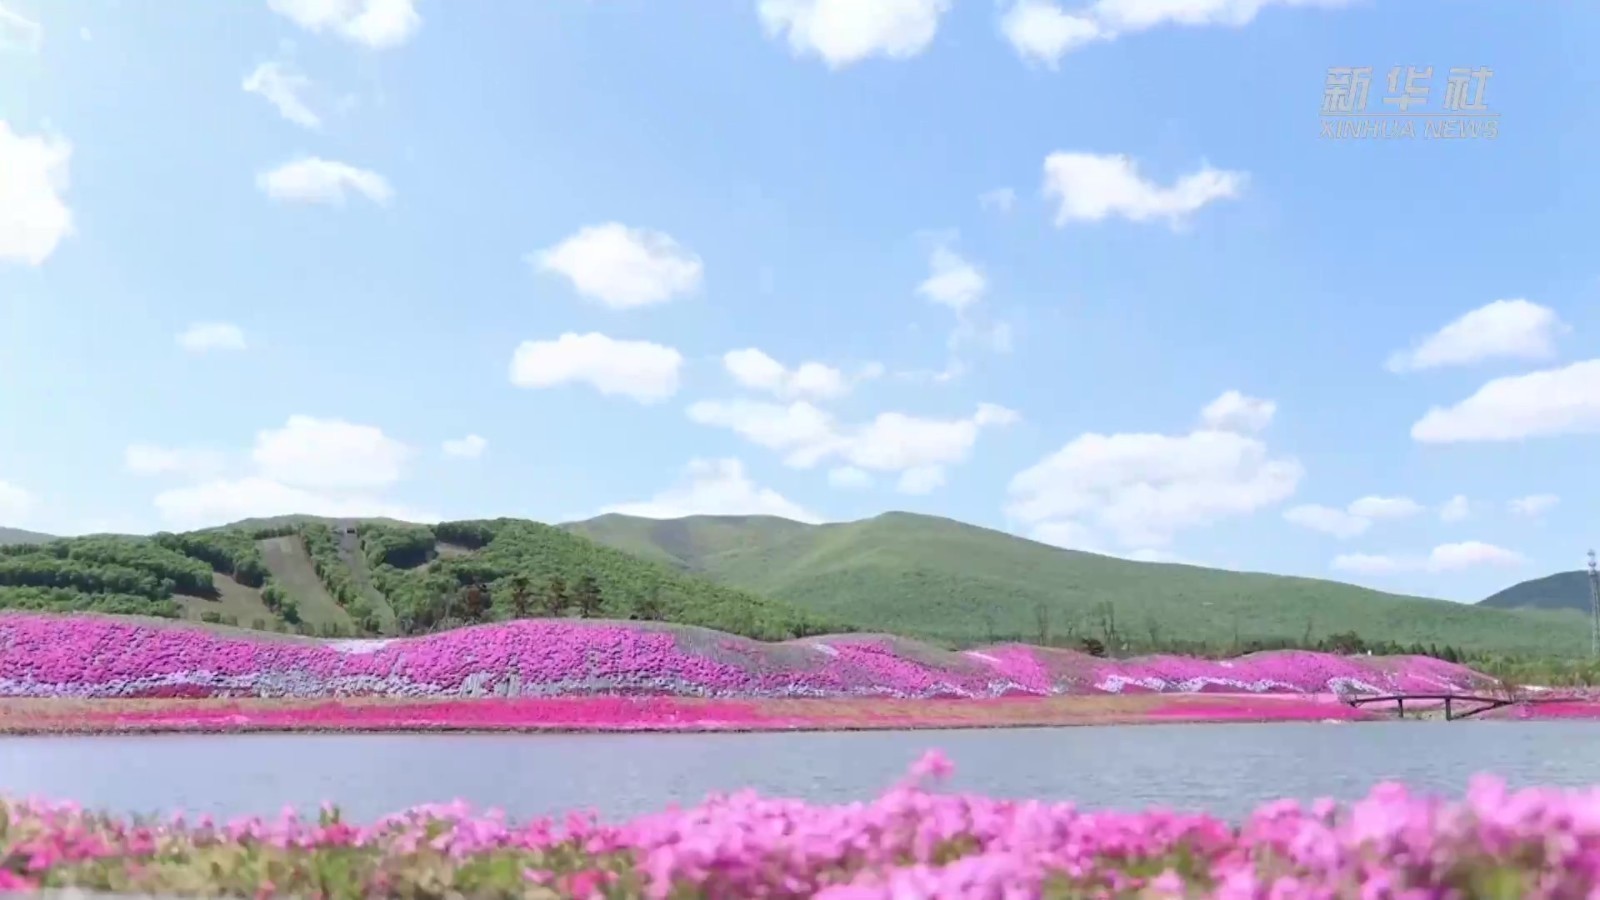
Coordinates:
[91,656]
[1540,844]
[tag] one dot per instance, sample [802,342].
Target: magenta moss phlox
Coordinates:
[1539,844]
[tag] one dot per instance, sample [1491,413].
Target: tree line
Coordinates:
[517,569]
[1097,632]
[133,575]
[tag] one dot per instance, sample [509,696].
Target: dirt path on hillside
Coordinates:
[290,565]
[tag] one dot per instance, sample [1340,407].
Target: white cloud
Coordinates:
[1455,509]
[221,501]
[1354,519]
[1143,488]
[623,267]
[469,447]
[1233,411]
[770,425]
[716,487]
[329,454]
[639,370]
[34,217]
[322,467]
[1328,520]
[1468,554]
[1368,563]
[312,179]
[203,336]
[1091,188]
[921,480]
[1069,535]
[1000,199]
[1042,32]
[150,459]
[952,281]
[376,24]
[1538,404]
[1385,507]
[18,32]
[843,32]
[849,477]
[958,284]
[1443,558]
[15,504]
[891,442]
[282,87]
[1504,329]
[756,370]
[1533,505]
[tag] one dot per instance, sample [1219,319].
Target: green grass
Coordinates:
[290,565]
[235,602]
[944,580]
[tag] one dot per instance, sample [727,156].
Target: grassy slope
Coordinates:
[541,551]
[1564,590]
[355,562]
[937,578]
[233,599]
[684,543]
[291,567]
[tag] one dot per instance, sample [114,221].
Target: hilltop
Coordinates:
[18,536]
[1561,591]
[940,579]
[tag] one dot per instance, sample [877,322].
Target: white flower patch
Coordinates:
[975,654]
[824,649]
[358,646]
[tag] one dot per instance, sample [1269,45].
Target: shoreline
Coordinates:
[676,715]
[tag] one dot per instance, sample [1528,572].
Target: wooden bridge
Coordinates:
[1479,703]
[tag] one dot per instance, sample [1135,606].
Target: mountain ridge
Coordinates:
[1561,591]
[939,578]
[911,574]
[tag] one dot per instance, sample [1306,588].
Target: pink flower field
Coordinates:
[93,657]
[650,714]
[913,841]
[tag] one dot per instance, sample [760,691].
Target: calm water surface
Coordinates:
[1224,769]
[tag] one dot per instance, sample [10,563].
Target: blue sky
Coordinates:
[1089,274]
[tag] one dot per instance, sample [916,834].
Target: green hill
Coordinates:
[376,577]
[1562,591]
[935,578]
[18,536]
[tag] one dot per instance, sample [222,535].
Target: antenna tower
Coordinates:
[1594,607]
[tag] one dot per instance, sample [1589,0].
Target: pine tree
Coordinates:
[519,596]
[555,597]
[586,596]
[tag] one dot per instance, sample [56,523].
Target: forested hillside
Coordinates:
[944,580]
[1564,590]
[758,576]
[371,578]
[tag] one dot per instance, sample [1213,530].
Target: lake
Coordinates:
[1223,769]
